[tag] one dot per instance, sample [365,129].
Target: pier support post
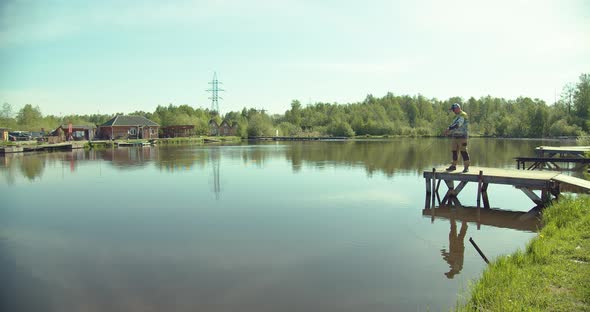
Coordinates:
[484,195]
[555,190]
[433,186]
[479,181]
[428,192]
[534,197]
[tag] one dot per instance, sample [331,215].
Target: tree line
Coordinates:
[390,115]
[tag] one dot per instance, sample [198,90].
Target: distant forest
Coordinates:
[390,115]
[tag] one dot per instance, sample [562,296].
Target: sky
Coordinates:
[87,57]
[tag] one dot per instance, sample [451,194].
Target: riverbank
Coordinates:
[200,140]
[21,146]
[552,274]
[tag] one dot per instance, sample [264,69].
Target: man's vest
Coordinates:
[459,126]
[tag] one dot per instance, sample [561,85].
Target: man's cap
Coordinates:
[455,105]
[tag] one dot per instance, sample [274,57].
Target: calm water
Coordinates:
[301,226]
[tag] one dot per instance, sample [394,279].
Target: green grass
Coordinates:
[551,274]
[7,143]
[200,139]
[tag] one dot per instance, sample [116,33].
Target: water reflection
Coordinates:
[454,256]
[130,157]
[515,220]
[520,221]
[215,161]
[391,157]
[14,165]
[331,239]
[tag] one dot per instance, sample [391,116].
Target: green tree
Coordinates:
[412,114]
[567,96]
[293,116]
[582,101]
[259,124]
[340,128]
[29,116]
[6,111]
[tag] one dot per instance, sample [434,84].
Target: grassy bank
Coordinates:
[200,139]
[552,274]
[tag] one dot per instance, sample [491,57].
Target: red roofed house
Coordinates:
[128,127]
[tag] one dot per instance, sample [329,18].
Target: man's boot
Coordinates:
[465,166]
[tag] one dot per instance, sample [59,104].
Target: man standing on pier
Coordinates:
[459,133]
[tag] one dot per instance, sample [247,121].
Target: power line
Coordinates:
[215,93]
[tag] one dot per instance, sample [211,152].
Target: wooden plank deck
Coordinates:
[56,146]
[573,184]
[550,151]
[42,147]
[549,182]
[540,162]
[496,176]
[296,138]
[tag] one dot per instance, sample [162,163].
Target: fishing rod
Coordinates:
[427,147]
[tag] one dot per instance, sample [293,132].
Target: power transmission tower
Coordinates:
[215,93]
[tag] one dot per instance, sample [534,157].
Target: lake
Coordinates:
[275,226]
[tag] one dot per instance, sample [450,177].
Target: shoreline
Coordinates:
[552,273]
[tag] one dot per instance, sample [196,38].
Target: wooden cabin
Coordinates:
[224,129]
[77,132]
[177,131]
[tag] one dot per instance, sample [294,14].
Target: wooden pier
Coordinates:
[549,156]
[296,138]
[547,162]
[562,151]
[550,183]
[133,143]
[41,147]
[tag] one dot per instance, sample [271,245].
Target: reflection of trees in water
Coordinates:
[405,154]
[256,157]
[131,157]
[394,156]
[455,255]
[32,166]
[181,158]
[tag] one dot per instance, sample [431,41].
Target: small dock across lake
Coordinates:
[550,183]
[296,138]
[41,147]
[562,151]
[550,162]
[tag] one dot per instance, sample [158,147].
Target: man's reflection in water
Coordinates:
[454,257]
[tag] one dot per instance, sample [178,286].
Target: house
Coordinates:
[128,127]
[224,129]
[178,131]
[4,134]
[76,133]
[213,127]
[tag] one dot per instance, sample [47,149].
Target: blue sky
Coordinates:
[70,56]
